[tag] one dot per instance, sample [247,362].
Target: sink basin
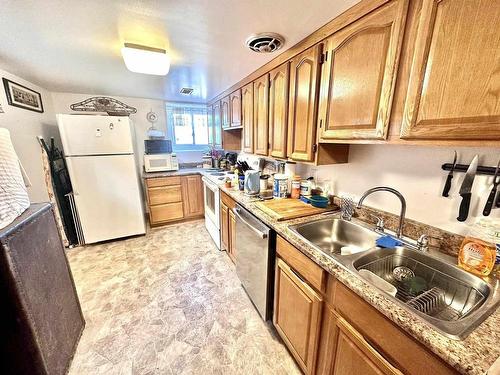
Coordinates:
[452,300]
[331,234]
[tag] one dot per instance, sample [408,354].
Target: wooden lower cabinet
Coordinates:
[192,196]
[174,198]
[224,226]
[227,225]
[297,314]
[232,236]
[346,352]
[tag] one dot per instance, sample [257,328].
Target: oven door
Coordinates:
[211,197]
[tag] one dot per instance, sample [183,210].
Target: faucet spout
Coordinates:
[402,214]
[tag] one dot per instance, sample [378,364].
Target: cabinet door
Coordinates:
[278,110]
[359,75]
[210,124]
[235,108]
[260,110]
[247,117]
[347,351]
[225,111]
[297,312]
[232,236]
[224,226]
[302,113]
[454,87]
[192,196]
[217,124]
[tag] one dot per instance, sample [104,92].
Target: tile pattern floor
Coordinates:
[169,303]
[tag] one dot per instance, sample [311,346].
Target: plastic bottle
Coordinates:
[478,250]
[295,191]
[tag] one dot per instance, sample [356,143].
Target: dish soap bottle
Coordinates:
[478,250]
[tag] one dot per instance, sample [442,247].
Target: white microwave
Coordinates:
[160,162]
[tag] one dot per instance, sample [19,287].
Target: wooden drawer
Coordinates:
[406,353]
[228,201]
[166,212]
[313,273]
[164,194]
[163,181]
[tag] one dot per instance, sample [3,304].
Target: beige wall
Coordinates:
[416,173]
[24,127]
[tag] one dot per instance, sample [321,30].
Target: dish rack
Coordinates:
[443,297]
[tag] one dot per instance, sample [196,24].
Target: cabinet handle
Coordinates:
[296,274]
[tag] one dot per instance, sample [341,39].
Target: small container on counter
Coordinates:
[241,183]
[280,185]
[295,191]
[207,161]
[306,186]
[264,180]
[227,183]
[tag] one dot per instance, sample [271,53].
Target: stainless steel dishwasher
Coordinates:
[255,249]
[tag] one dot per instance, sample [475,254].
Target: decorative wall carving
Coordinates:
[106,104]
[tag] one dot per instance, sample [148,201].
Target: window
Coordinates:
[187,126]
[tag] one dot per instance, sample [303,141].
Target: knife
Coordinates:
[466,189]
[447,184]
[493,193]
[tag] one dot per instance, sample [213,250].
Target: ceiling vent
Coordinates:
[186,91]
[265,42]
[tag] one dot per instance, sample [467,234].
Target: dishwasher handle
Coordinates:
[258,232]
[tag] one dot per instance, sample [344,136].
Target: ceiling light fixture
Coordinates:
[147,60]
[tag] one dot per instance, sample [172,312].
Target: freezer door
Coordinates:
[107,196]
[95,135]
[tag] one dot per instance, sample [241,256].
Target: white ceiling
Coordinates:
[74,46]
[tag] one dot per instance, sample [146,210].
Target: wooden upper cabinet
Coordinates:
[303,102]
[359,75]
[247,117]
[210,124]
[260,117]
[225,112]
[454,85]
[278,110]
[235,108]
[216,107]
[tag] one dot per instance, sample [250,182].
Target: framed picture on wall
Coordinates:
[22,97]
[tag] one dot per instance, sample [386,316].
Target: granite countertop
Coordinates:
[473,355]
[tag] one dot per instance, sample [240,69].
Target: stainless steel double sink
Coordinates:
[452,300]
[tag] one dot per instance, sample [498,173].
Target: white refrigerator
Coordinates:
[107,195]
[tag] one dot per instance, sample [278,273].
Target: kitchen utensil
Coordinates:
[252,182]
[319,201]
[493,193]
[285,209]
[466,190]
[447,184]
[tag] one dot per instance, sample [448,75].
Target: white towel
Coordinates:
[13,194]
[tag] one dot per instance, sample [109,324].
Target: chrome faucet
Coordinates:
[399,233]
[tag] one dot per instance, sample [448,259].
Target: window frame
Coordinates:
[192,110]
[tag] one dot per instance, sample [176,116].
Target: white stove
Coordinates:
[211,181]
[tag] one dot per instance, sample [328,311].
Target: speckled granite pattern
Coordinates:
[169,303]
[474,355]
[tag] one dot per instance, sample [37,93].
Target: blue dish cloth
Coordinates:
[388,241]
